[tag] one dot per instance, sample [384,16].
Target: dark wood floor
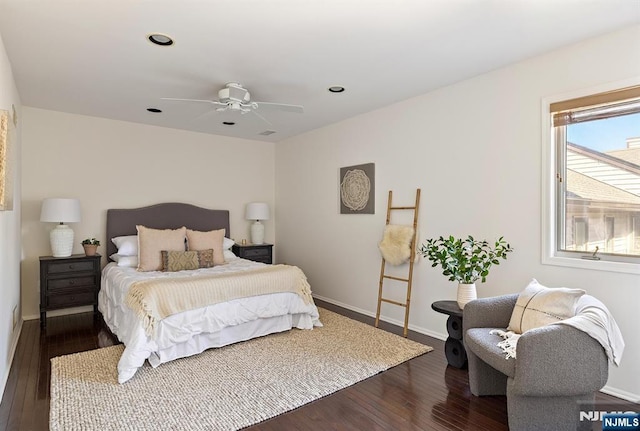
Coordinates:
[420,394]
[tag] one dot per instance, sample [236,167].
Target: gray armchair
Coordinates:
[557,367]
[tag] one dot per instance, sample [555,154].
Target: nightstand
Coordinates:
[257,252]
[68,282]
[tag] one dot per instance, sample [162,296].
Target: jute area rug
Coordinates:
[222,389]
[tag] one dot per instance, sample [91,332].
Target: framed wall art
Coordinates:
[357,189]
[6,168]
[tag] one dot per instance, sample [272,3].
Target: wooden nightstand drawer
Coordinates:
[71,299]
[256,252]
[63,283]
[57,268]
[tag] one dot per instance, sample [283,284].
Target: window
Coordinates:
[594,177]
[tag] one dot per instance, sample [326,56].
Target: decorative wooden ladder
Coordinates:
[409,279]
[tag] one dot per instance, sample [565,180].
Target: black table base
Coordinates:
[453,348]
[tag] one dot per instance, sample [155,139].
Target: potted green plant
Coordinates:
[465,261]
[90,246]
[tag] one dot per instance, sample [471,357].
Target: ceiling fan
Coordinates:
[235,98]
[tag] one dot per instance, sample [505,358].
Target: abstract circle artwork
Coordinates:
[357,189]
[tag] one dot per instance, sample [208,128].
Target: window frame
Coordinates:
[551,228]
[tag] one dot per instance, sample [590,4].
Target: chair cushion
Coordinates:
[485,346]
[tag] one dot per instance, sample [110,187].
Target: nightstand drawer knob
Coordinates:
[71,282]
[71,266]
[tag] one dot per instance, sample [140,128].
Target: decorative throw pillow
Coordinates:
[184,260]
[152,241]
[538,305]
[395,246]
[212,239]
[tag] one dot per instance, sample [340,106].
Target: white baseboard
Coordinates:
[628,396]
[12,354]
[419,329]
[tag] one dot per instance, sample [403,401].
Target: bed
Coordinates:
[189,332]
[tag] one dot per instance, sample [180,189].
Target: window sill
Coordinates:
[596,265]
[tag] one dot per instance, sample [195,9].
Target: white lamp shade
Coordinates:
[58,210]
[257,211]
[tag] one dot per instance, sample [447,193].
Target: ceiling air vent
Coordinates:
[267,132]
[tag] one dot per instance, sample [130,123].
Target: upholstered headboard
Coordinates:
[163,216]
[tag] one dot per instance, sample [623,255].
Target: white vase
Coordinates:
[466,293]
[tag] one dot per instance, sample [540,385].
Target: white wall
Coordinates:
[9,231]
[115,164]
[474,148]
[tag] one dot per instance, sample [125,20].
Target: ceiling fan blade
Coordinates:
[262,118]
[280,107]
[213,102]
[206,114]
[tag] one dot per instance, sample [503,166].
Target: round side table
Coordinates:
[453,347]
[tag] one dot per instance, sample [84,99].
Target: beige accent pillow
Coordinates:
[186,260]
[152,241]
[538,305]
[212,239]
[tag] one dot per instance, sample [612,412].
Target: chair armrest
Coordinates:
[494,312]
[559,360]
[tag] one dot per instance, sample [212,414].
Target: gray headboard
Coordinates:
[163,216]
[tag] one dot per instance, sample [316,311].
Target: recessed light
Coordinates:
[336,89]
[160,39]
[154,110]
[228,123]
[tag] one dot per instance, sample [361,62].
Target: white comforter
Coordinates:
[194,331]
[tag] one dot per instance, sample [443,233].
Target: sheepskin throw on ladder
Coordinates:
[395,246]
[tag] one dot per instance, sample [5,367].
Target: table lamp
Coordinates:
[58,210]
[257,211]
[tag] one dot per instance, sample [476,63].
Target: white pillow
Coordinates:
[227,243]
[128,261]
[228,254]
[127,245]
[538,306]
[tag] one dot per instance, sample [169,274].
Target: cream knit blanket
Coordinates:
[153,300]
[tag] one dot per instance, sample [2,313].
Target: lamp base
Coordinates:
[257,233]
[61,241]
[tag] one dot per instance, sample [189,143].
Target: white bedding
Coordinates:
[191,332]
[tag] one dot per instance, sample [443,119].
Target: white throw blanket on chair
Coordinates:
[592,317]
[509,343]
[396,244]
